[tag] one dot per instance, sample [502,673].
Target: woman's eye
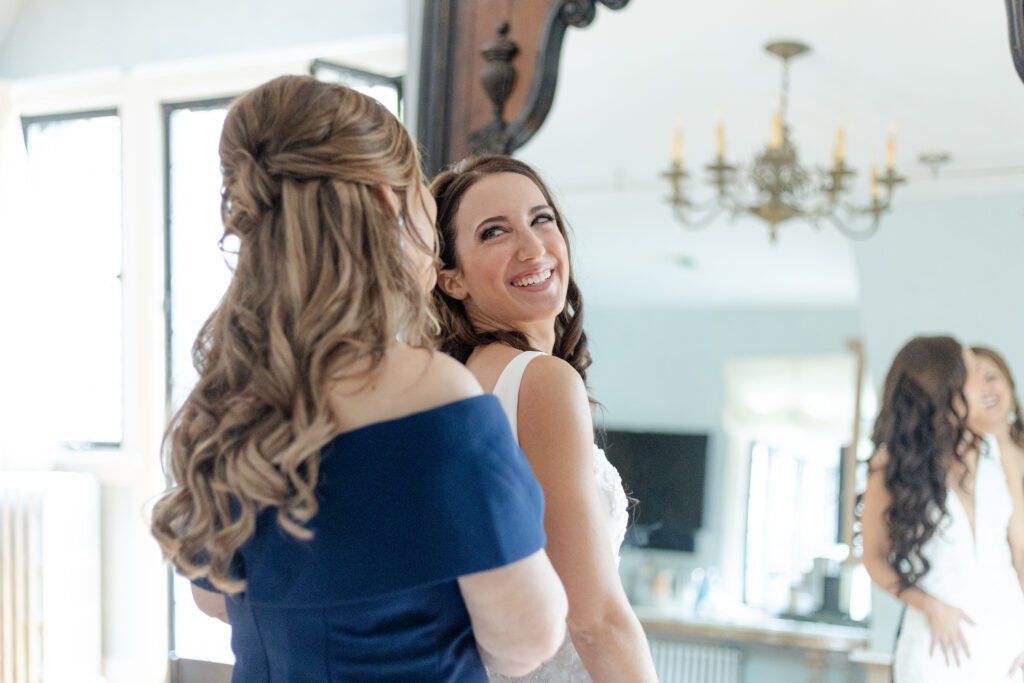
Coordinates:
[490,233]
[543,218]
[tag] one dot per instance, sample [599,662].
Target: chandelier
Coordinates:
[776,187]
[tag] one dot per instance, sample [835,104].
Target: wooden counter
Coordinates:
[816,642]
[805,635]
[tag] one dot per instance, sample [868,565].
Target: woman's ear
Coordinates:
[450,282]
[389,196]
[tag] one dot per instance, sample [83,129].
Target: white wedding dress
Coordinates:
[976,574]
[565,666]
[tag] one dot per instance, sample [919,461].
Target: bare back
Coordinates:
[408,380]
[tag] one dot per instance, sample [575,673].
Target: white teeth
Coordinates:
[533,279]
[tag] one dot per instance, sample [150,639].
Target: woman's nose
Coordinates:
[530,245]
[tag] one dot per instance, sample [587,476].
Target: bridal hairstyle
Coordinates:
[321,282]
[1017,427]
[922,424]
[458,337]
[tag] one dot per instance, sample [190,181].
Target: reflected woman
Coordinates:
[314,462]
[1000,410]
[942,530]
[511,311]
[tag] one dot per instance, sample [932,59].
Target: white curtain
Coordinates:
[25,383]
[802,399]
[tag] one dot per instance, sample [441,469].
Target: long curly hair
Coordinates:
[922,424]
[458,336]
[1017,426]
[322,282]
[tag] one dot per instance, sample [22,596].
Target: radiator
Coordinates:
[678,662]
[50,627]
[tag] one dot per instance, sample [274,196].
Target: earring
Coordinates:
[1012,417]
[401,240]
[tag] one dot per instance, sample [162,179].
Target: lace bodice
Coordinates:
[565,666]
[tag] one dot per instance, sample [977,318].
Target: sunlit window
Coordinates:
[198,273]
[75,165]
[792,518]
[385,89]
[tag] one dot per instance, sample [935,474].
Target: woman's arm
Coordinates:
[518,614]
[556,434]
[944,620]
[210,603]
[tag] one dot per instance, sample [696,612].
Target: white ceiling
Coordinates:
[938,72]
[8,10]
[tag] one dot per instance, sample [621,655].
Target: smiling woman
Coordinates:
[511,311]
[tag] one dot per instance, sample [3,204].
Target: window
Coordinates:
[792,518]
[385,89]
[197,274]
[75,165]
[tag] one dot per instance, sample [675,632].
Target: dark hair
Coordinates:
[1017,427]
[920,427]
[458,336]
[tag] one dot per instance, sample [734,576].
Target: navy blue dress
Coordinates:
[406,506]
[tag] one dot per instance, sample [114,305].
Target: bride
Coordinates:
[512,313]
[943,530]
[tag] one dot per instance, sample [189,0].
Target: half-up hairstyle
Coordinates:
[458,336]
[923,426]
[322,282]
[1017,426]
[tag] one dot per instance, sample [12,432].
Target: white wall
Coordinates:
[47,37]
[948,265]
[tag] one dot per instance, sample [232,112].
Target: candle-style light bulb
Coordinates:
[776,139]
[677,147]
[874,184]
[720,139]
[840,147]
[890,153]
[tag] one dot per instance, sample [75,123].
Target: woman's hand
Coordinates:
[944,622]
[1018,664]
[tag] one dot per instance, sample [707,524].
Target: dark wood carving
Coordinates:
[498,78]
[563,14]
[1015,15]
[451,101]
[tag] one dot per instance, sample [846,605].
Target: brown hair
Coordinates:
[920,427]
[459,337]
[321,282]
[1017,426]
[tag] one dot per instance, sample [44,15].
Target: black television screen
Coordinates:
[665,474]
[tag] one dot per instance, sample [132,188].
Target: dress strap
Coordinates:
[507,387]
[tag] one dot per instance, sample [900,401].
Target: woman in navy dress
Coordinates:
[345,495]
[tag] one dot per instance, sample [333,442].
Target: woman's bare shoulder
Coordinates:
[878,460]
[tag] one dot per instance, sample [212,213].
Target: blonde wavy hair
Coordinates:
[322,282]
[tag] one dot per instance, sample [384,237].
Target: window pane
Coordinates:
[199,270]
[792,510]
[385,90]
[198,275]
[75,164]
